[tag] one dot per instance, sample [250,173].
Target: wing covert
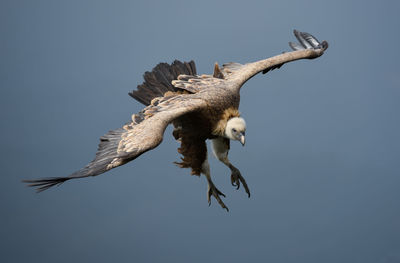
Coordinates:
[309,48]
[125,144]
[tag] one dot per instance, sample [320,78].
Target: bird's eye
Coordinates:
[234,130]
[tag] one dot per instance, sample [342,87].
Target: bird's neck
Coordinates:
[219,128]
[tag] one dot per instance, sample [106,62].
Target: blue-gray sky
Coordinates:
[322,151]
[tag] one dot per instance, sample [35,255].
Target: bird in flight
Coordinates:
[200,107]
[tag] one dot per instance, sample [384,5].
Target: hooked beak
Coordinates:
[242,139]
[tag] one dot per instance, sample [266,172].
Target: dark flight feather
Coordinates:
[107,151]
[159,80]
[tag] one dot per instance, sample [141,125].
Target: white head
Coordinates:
[235,129]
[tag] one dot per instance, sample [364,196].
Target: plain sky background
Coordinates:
[322,151]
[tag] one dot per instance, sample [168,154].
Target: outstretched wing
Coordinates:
[309,48]
[234,75]
[142,134]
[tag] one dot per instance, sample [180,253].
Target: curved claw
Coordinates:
[235,182]
[236,179]
[212,190]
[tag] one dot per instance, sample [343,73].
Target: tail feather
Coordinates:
[158,81]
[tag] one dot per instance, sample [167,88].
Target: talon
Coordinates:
[236,178]
[209,196]
[235,181]
[212,190]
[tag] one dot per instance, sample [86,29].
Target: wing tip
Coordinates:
[307,41]
[45,183]
[324,45]
[295,46]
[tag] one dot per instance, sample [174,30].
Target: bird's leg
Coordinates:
[221,149]
[212,190]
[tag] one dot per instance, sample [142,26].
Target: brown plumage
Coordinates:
[200,107]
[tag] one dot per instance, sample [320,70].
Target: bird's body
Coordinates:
[195,127]
[200,107]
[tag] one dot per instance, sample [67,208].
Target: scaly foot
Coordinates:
[236,178]
[212,190]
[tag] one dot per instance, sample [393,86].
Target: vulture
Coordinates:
[200,107]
